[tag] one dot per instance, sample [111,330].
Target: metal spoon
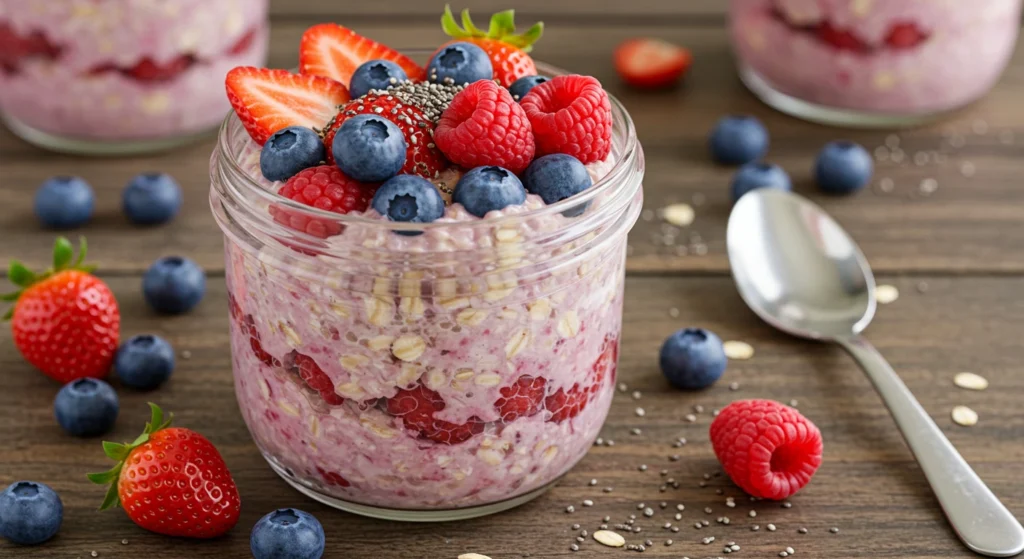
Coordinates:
[800,272]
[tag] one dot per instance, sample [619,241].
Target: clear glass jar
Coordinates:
[872,63]
[121,76]
[445,375]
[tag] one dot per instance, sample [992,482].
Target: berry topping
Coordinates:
[148,70]
[759,175]
[461,64]
[144,362]
[326,188]
[376,74]
[30,513]
[487,189]
[905,36]
[409,198]
[738,139]
[335,52]
[651,63]
[842,39]
[506,49]
[485,126]
[523,398]
[248,327]
[768,449]
[269,100]
[289,151]
[416,407]
[523,85]
[151,199]
[565,405]
[692,359]
[369,148]
[556,177]
[571,114]
[606,363]
[86,407]
[174,285]
[317,380]
[843,167]
[287,533]
[64,202]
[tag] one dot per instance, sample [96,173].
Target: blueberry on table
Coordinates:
[144,362]
[287,534]
[64,202]
[843,167]
[486,189]
[409,198]
[151,199]
[692,358]
[289,151]
[30,513]
[556,177]
[738,139]
[86,407]
[462,63]
[759,175]
[369,148]
[173,285]
[375,74]
[523,85]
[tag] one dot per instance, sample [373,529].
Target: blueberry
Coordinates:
[463,63]
[289,151]
[151,199]
[173,285]
[486,189]
[369,148]
[843,167]
[287,534]
[86,407]
[523,85]
[144,362]
[556,177]
[30,513]
[409,198]
[759,175]
[738,139]
[375,74]
[64,202]
[692,358]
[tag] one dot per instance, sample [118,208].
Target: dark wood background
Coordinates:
[954,254]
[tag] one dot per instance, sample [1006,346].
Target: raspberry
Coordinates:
[606,363]
[571,114]
[417,406]
[249,328]
[567,404]
[483,125]
[326,188]
[317,380]
[522,399]
[333,478]
[768,449]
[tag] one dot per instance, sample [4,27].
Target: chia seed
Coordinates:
[431,98]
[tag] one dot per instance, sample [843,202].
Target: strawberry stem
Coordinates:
[502,28]
[119,452]
[63,254]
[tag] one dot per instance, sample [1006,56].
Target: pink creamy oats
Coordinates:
[124,69]
[891,56]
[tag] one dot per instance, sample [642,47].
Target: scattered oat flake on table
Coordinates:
[970,381]
[965,416]
[473,556]
[738,350]
[609,538]
[886,294]
[679,215]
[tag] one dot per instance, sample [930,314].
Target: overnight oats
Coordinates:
[122,76]
[425,269]
[872,62]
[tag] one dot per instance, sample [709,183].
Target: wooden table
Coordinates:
[954,254]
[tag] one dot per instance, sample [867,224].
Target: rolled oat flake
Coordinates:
[609,538]
[965,416]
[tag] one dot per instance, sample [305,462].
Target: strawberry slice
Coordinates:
[905,36]
[335,52]
[651,63]
[268,100]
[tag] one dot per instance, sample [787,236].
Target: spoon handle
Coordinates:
[977,516]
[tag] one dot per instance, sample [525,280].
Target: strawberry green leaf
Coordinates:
[115,451]
[526,40]
[20,275]
[471,29]
[63,252]
[83,248]
[103,478]
[448,24]
[111,499]
[9,314]
[502,25]
[10,297]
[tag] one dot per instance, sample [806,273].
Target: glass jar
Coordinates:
[872,63]
[457,369]
[121,76]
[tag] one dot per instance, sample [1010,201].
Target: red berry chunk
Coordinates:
[326,188]
[905,36]
[571,114]
[567,405]
[417,406]
[768,449]
[317,379]
[606,363]
[333,478]
[249,328]
[484,125]
[523,398]
[841,39]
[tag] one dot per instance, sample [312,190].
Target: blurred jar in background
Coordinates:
[122,76]
[872,62]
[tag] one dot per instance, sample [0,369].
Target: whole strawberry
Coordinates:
[171,481]
[507,50]
[65,321]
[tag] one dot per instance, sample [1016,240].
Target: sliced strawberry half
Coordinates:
[335,52]
[268,100]
[524,398]
[651,63]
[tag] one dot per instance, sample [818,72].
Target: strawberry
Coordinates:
[522,399]
[335,52]
[651,63]
[65,321]
[268,100]
[507,50]
[416,407]
[905,36]
[841,39]
[172,481]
